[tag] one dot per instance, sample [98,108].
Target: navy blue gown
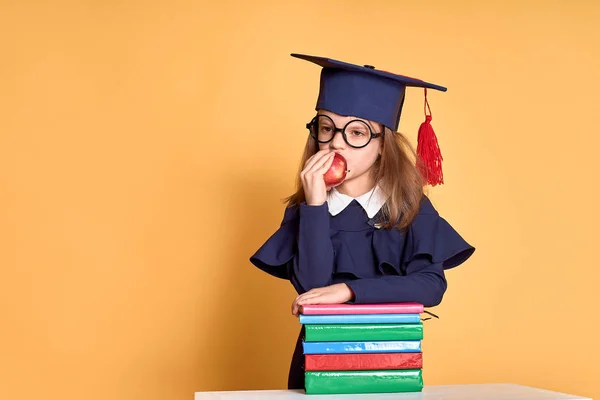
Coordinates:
[313,249]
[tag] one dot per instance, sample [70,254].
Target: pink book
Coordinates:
[382,308]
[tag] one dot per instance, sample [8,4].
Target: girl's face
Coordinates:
[359,160]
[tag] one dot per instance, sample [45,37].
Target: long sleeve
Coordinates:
[300,250]
[313,263]
[424,283]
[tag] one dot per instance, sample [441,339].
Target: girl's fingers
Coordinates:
[326,164]
[314,159]
[323,164]
[302,299]
[311,300]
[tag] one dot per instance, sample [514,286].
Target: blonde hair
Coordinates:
[396,172]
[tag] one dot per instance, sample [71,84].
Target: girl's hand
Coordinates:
[334,294]
[315,190]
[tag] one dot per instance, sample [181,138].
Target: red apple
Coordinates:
[337,172]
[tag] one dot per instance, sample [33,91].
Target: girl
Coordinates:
[374,238]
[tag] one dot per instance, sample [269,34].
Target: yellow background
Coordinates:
[145,147]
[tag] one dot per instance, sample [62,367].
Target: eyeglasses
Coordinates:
[356,133]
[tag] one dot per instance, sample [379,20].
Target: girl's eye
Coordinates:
[325,129]
[358,129]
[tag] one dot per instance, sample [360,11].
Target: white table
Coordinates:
[496,391]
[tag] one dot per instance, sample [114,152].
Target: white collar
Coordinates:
[371,202]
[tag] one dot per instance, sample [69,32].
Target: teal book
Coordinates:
[354,382]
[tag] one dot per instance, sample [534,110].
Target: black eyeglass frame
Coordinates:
[313,123]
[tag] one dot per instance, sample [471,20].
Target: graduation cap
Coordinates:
[377,95]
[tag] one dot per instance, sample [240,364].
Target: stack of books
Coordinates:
[362,348]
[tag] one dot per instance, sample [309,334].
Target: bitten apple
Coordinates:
[337,172]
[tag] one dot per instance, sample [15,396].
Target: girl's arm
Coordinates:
[424,283]
[312,265]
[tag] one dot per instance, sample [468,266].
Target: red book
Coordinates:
[381,308]
[369,361]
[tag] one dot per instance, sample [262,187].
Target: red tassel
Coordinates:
[428,151]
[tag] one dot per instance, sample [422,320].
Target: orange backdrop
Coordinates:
[145,148]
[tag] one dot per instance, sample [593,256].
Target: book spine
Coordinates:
[346,362]
[361,319]
[399,346]
[348,382]
[362,332]
[386,308]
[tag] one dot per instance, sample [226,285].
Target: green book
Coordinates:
[349,382]
[362,332]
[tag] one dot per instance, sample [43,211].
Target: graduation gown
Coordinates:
[313,248]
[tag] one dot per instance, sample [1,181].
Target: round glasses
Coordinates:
[356,133]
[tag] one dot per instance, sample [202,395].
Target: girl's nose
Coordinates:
[338,141]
